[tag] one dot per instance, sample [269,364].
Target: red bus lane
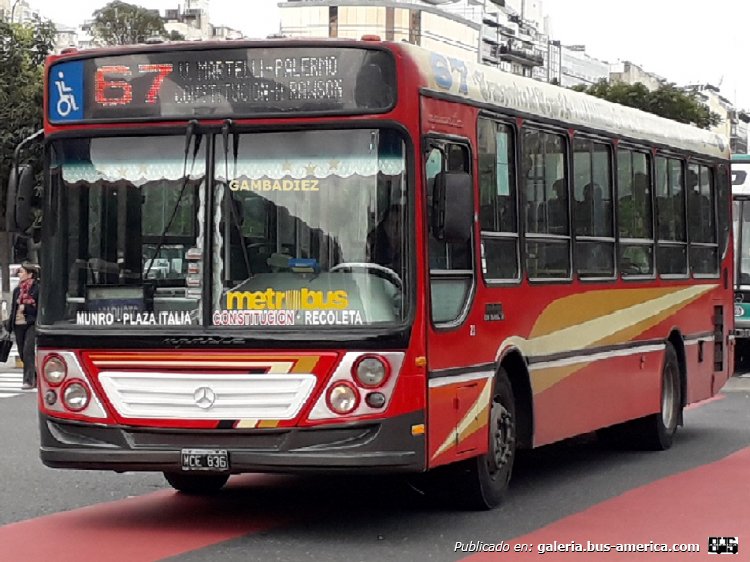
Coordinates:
[680,510]
[149,527]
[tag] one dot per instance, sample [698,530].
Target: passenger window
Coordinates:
[592,205]
[546,210]
[636,253]
[704,248]
[670,217]
[497,202]
[451,264]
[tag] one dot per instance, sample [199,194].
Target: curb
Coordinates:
[737,384]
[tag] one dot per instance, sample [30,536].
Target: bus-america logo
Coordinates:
[66,91]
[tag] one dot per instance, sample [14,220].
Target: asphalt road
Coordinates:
[75,515]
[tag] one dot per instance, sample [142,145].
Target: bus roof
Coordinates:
[486,85]
[492,87]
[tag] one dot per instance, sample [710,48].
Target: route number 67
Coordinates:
[444,69]
[112,87]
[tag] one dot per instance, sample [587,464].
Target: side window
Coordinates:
[545,210]
[497,201]
[723,197]
[670,216]
[592,204]
[704,248]
[635,226]
[451,264]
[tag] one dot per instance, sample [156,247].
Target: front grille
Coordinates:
[153,395]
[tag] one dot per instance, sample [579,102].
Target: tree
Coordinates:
[120,23]
[22,53]
[666,101]
[175,35]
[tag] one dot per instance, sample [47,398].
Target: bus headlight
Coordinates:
[343,398]
[370,371]
[54,370]
[76,396]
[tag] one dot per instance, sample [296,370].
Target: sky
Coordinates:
[255,18]
[684,41]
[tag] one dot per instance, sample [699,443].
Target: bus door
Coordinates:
[452,396]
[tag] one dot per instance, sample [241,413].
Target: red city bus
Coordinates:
[320,255]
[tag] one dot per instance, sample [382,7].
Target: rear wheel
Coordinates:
[196,484]
[483,481]
[654,432]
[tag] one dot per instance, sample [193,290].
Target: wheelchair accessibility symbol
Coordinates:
[67,101]
[66,91]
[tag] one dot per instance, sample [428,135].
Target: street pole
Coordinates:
[13,11]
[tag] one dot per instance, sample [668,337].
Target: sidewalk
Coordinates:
[738,383]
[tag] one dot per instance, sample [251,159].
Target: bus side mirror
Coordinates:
[24,214]
[452,207]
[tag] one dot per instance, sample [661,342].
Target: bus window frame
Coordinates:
[685,162]
[714,166]
[613,145]
[547,128]
[430,141]
[649,153]
[511,123]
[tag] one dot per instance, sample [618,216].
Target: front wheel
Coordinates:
[484,480]
[196,484]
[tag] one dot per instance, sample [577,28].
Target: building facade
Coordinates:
[420,23]
[579,68]
[17,11]
[630,73]
[500,33]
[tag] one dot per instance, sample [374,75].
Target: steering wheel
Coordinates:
[375,268]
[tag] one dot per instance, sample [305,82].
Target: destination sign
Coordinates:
[221,83]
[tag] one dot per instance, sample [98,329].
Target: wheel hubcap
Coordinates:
[502,438]
[669,398]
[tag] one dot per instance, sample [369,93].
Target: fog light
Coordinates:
[375,400]
[76,396]
[370,371]
[54,370]
[50,397]
[342,398]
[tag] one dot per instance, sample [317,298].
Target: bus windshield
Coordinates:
[303,228]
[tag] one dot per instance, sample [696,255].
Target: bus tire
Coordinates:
[483,481]
[659,429]
[196,484]
[654,432]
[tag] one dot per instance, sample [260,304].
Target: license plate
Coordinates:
[205,459]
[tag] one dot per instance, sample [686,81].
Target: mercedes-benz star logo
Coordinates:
[204,397]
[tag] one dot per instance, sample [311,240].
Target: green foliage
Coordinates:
[175,35]
[24,49]
[120,23]
[667,101]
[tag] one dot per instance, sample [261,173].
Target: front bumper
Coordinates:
[371,446]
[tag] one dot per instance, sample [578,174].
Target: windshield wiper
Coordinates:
[233,211]
[189,134]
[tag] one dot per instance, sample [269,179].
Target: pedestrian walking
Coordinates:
[22,321]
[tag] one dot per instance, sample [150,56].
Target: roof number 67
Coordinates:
[444,69]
